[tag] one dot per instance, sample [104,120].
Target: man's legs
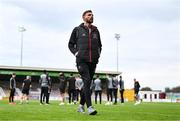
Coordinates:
[122,96]
[115,95]
[69,93]
[46,94]
[87,70]
[74,96]
[96,93]
[48,97]
[42,93]
[108,92]
[83,69]
[137,97]
[10,95]
[100,96]
[13,93]
[111,94]
[77,94]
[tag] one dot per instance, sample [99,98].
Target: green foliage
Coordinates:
[174,89]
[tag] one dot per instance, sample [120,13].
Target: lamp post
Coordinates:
[117,36]
[21,30]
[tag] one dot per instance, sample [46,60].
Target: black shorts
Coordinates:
[25,91]
[136,92]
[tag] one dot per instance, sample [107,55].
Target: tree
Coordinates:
[167,89]
[146,89]
[176,89]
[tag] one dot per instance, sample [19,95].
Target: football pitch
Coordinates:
[53,112]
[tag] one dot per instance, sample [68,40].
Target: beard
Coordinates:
[89,20]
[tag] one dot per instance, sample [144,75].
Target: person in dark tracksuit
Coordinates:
[12,89]
[136,91]
[109,90]
[62,87]
[92,87]
[44,82]
[49,89]
[98,89]
[79,85]
[25,89]
[115,88]
[121,84]
[85,44]
[72,89]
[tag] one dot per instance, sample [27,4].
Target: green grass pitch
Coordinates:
[53,112]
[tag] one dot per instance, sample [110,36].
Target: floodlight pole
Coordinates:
[117,36]
[21,29]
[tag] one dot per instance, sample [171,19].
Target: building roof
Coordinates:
[25,70]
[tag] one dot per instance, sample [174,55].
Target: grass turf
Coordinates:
[54,112]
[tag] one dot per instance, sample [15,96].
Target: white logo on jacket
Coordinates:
[95,36]
[83,34]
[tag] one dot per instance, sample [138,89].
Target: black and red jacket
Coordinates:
[87,44]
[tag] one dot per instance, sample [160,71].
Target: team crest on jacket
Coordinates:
[83,34]
[94,36]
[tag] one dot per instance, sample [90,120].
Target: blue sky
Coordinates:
[148,47]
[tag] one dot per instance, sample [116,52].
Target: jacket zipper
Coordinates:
[90,51]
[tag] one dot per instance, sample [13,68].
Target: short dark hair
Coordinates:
[87,11]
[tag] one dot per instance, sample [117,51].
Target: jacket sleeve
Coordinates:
[139,85]
[99,42]
[120,84]
[73,41]
[10,83]
[40,80]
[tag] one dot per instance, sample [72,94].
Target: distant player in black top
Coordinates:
[25,89]
[62,87]
[49,88]
[72,89]
[136,91]
[121,88]
[12,89]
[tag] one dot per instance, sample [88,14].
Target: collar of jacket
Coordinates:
[92,26]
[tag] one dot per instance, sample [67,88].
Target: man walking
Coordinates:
[109,90]
[115,88]
[98,89]
[136,91]
[72,89]
[85,44]
[121,84]
[79,85]
[44,82]
[25,89]
[62,88]
[12,89]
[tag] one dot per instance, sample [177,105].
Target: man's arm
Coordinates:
[81,86]
[40,80]
[72,42]
[30,85]
[23,85]
[99,42]
[139,85]
[11,83]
